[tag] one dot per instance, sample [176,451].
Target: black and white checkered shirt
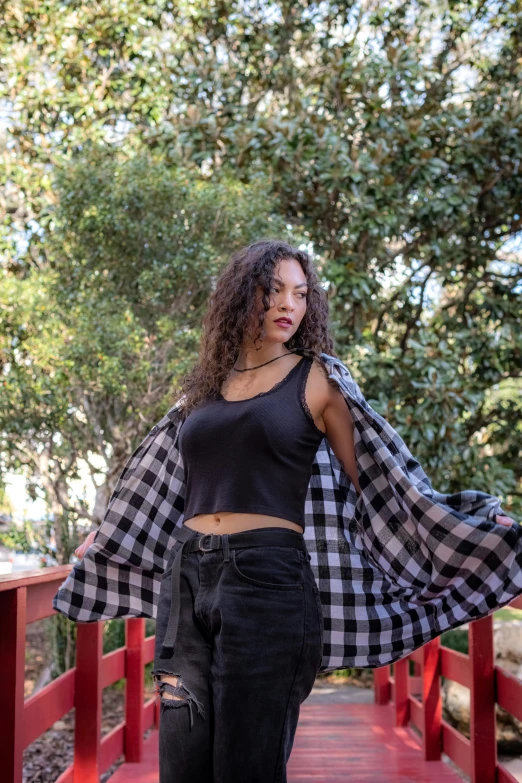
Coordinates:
[396,565]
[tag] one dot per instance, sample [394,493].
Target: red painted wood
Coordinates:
[456,746]
[27,578]
[482,701]
[27,598]
[335,743]
[145,771]
[431,701]
[149,648]
[416,713]
[135,673]
[402,704]
[509,692]
[12,673]
[156,713]
[48,706]
[455,666]
[381,685]
[113,667]
[88,693]
[148,713]
[67,776]
[111,746]
[39,599]
[503,776]
[415,685]
[341,743]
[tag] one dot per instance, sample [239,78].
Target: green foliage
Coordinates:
[508,613]
[62,632]
[96,341]
[455,640]
[113,635]
[28,538]
[147,239]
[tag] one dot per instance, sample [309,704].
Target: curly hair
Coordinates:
[232,310]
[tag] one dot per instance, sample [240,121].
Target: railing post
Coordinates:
[482,702]
[431,701]
[12,668]
[135,681]
[156,714]
[381,685]
[402,703]
[88,702]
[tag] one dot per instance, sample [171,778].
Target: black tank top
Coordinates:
[253,455]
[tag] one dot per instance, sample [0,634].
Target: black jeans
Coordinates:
[247,649]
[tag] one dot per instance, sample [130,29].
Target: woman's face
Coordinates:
[287,302]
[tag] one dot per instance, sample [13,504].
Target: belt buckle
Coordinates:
[202,549]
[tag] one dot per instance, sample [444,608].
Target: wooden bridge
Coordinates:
[397,739]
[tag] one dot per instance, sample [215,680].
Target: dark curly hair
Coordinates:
[232,307]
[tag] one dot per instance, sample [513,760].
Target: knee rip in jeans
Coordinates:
[174,693]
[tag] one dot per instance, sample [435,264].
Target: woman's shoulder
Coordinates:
[320,388]
[320,377]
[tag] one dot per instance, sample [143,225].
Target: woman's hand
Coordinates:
[81,550]
[503,520]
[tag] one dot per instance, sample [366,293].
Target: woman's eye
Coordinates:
[276,291]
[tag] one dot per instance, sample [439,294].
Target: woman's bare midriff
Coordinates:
[233,522]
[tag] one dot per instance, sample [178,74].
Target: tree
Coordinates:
[391,134]
[94,343]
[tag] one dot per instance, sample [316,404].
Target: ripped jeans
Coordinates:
[242,632]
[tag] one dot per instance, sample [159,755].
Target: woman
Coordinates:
[240,623]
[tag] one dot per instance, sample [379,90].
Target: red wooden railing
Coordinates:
[26,598]
[418,701]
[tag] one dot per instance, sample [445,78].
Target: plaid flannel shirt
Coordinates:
[396,565]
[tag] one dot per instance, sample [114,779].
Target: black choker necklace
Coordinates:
[262,365]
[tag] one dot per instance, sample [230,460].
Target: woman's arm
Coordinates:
[331,410]
[339,432]
[339,427]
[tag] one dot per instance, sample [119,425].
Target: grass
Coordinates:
[507,613]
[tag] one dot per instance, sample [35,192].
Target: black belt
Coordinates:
[194,541]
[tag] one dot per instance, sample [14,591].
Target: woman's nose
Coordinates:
[286,303]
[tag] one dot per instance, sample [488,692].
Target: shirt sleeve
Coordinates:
[119,573]
[375,432]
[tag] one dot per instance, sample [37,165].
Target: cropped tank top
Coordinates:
[253,455]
